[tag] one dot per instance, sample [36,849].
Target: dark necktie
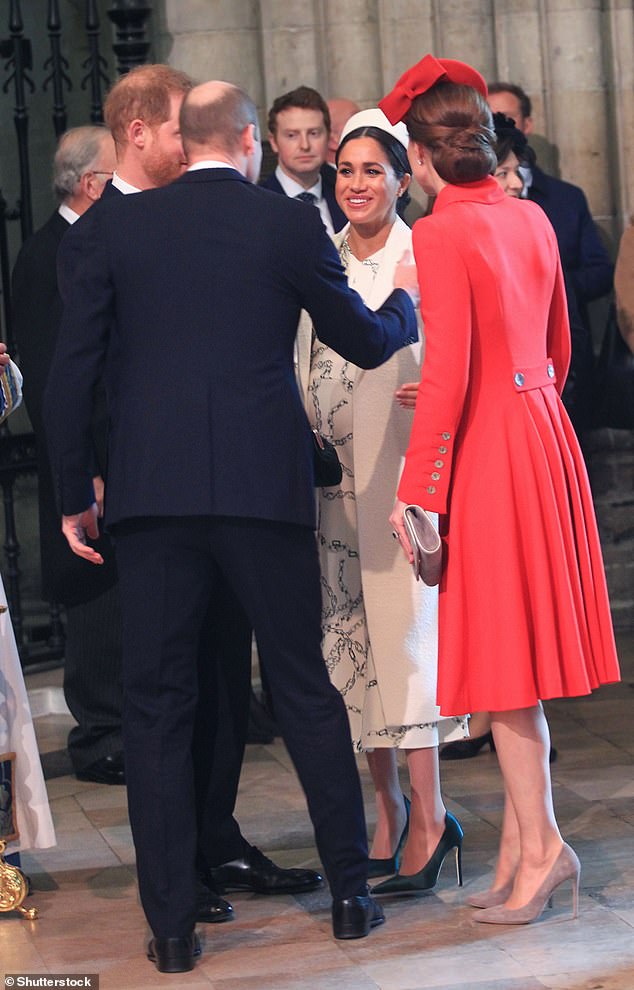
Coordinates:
[307,197]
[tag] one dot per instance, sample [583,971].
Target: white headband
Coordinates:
[375,118]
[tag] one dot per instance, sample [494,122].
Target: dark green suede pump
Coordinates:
[427,878]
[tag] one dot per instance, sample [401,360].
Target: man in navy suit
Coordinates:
[84,160]
[178,294]
[584,259]
[299,129]
[142,110]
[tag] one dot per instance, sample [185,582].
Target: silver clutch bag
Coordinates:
[425,543]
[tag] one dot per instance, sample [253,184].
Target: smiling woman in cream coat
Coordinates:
[379,624]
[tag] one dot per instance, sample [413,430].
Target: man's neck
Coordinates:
[133,173]
[78,204]
[212,155]
[306,179]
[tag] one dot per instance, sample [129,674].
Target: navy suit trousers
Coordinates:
[171,571]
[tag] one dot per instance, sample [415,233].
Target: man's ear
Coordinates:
[249,139]
[272,142]
[91,186]
[528,125]
[246,141]
[136,132]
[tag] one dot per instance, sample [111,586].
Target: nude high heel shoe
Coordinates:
[490,898]
[566,867]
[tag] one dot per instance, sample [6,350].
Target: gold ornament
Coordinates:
[13,888]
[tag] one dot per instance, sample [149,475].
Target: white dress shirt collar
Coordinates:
[293,189]
[122,185]
[210,163]
[69,215]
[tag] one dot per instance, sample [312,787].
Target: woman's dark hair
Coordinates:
[395,151]
[508,138]
[455,123]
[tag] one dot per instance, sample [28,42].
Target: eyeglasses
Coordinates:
[94,172]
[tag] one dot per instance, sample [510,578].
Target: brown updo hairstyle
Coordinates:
[455,123]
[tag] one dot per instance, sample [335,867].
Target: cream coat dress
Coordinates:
[380,626]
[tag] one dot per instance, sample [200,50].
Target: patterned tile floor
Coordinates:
[90,920]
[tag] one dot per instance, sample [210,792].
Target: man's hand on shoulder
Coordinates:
[80,527]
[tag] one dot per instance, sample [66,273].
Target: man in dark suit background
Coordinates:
[179,294]
[84,161]
[299,129]
[142,110]
[585,261]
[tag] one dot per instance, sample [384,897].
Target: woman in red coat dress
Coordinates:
[524,611]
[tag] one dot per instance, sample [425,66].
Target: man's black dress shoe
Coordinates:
[107,770]
[253,871]
[174,955]
[353,917]
[210,908]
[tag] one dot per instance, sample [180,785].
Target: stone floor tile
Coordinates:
[91,917]
[337,979]
[82,848]
[419,968]
[119,838]
[619,979]
[98,796]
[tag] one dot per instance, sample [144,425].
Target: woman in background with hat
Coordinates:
[380,627]
[524,612]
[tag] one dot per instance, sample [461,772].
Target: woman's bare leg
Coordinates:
[509,852]
[522,741]
[479,724]
[427,819]
[391,815]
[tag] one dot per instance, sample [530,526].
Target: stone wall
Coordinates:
[574,58]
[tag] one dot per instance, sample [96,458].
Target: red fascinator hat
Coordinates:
[422,77]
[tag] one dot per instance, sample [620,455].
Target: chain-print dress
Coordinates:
[347,646]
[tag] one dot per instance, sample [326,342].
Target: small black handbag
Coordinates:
[328,470]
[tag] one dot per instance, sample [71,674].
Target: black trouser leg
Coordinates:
[92,678]
[275,570]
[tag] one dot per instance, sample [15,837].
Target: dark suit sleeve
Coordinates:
[593,276]
[88,298]
[341,319]
[36,314]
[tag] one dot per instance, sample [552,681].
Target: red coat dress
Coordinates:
[524,611]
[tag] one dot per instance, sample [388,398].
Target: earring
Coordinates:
[418,161]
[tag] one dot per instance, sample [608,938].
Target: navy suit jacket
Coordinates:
[187,298]
[37,314]
[328,176]
[583,256]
